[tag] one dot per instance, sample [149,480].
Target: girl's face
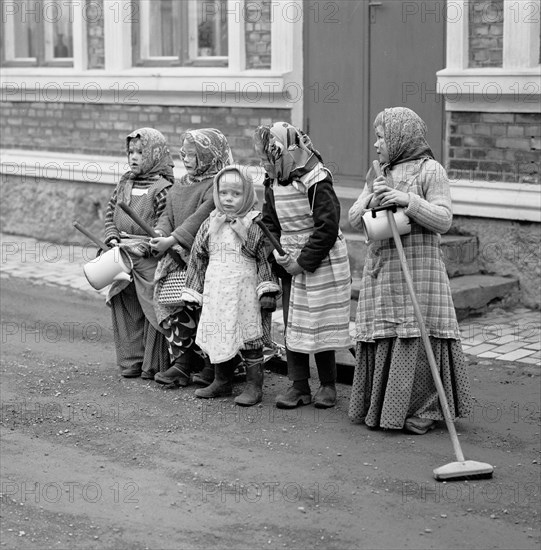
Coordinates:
[381,146]
[188,154]
[264,161]
[135,156]
[231,192]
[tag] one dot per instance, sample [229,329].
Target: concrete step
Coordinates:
[459,254]
[472,294]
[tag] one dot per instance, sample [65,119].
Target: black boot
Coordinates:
[178,374]
[253,391]
[222,385]
[205,376]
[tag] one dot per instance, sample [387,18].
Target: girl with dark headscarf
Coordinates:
[302,211]
[230,278]
[190,201]
[140,345]
[393,386]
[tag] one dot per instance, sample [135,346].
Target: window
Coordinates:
[187,33]
[37,32]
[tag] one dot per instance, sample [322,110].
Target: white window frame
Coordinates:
[46,34]
[515,87]
[279,87]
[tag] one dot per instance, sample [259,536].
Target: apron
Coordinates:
[231,313]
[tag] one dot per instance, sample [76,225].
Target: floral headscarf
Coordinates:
[212,150]
[156,160]
[404,132]
[240,221]
[289,151]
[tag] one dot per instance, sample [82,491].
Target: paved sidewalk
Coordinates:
[506,335]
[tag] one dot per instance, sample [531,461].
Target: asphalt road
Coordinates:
[92,460]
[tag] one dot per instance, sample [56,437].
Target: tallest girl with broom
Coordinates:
[393,387]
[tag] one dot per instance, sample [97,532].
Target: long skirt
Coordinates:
[393,381]
[137,342]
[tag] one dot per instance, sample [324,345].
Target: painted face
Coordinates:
[381,146]
[188,154]
[231,192]
[135,156]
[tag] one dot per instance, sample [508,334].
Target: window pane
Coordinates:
[24,17]
[161,29]
[211,28]
[59,14]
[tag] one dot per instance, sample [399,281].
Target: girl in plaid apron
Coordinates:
[393,386]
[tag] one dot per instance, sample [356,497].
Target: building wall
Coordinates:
[494,146]
[98,128]
[507,248]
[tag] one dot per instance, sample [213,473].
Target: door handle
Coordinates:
[373,12]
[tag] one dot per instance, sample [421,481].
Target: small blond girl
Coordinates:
[230,277]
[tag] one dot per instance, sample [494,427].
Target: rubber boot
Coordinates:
[205,376]
[253,390]
[177,375]
[221,386]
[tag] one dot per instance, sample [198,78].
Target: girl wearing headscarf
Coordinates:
[302,211]
[230,277]
[140,344]
[393,386]
[190,201]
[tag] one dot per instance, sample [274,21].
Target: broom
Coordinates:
[461,469]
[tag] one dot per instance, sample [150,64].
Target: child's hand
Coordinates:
[268,302]
[161,244]
[113,242]
[387,195]
[288,263]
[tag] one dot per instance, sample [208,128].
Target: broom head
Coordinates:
[469,469]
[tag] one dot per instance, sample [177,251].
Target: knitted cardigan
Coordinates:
[188,206]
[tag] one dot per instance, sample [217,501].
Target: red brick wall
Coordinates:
[485,33]
[90,128]
[494,146]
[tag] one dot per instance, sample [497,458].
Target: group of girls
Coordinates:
[207,229]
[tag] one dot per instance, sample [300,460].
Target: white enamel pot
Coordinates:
[110,266]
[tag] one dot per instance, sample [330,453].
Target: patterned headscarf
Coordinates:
[212,150]
[156,160]
[240,220]
[289,151]
[404,132]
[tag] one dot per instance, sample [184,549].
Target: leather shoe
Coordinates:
[325,397]
[293,398]
[172,377]
[418,425]
[131,372]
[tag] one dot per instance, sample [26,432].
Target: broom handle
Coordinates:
[426,340]
[270,236]
[148,229]
[92,237]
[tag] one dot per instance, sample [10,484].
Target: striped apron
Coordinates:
[319,306]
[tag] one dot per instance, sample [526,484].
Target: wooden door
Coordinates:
[360,57]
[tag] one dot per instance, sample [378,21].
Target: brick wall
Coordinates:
[90,128]
[485,33]
[258,34]
[494,146]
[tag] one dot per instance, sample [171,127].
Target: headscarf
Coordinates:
[288,149]
[156,161]
[404,132]
[212,150]
[241,220]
